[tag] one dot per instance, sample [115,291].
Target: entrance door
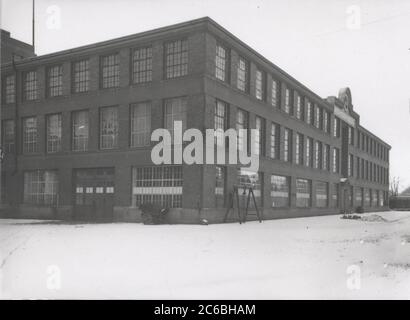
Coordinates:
[94,194]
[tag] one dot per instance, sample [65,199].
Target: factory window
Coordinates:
[309,113]
[220,121]
[41,187]
[109,128]
[275,93]
[275,141]
[260,85]
[299,108]
[9,137]
[160,185]
[326,152]
[318,117]
[140,124]
[142,65]
[287,145]
[9,89]
[288,101]
[110,70]
[321,194]
[220,173]
[280,191]
[175,110]
[81,76]
[55,81]
[350,165]
[221,63]
[242,121]
[309,152]
[30,135]
[303,193]
[30,87]
[366,197]
[53,133]
[176,59]
[359,196]
[336,160]
[250,179]
[299,149]
[335,195]
[80,131]
[243,75]
[326,124]
[336,128]
[318,155]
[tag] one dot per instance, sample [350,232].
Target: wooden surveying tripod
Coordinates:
[234,194]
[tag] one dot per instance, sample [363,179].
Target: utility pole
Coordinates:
[33,26]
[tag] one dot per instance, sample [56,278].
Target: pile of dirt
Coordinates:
[374,218]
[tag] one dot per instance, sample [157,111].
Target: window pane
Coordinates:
[41,187]
[55,81]
[80,131]
[30,85]
[81,76]
[54,133]
[142,65]
[140,124]
[176,61]
[110,68]
[160,185]
[303,193]
[220,63]
[30,135]
[280,191]
[321,194]
[175,110]
[109,128]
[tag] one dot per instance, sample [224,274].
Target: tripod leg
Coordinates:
[237,204]
[256,207]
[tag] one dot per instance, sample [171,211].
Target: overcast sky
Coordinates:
[324,44]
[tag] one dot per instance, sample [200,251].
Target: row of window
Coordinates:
[367,170]
[140,127]
[372,147]
[308,152]
[280,194]
[176,65]
[163,185]
[294,103]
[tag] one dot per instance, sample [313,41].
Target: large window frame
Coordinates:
[54,132]
[109,127]
[81,76]
[110,71]
[140,128]
[55,81]
[80,130]
[176,58]
[142,65]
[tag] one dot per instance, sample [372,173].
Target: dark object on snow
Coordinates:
[152,213]
[204,222]
[359,209]
[351,216]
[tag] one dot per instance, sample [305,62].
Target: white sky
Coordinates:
[309,39]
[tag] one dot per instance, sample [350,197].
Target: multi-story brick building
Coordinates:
[76,129]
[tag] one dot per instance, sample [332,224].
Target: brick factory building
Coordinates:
[76,129]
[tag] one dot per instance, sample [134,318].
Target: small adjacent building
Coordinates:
[76,129]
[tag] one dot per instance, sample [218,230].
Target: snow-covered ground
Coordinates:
[318,257]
